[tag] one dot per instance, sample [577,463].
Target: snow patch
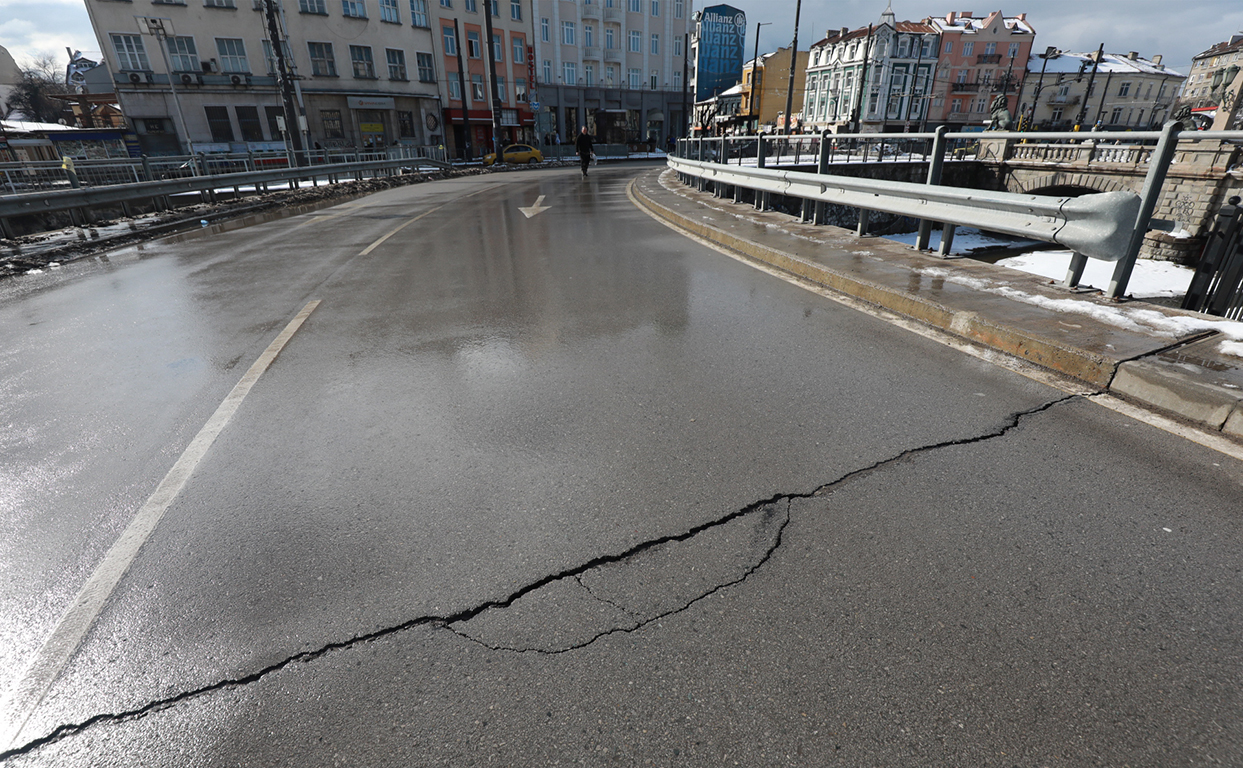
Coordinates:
[1232,348]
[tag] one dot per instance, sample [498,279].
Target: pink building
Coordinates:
[980,59]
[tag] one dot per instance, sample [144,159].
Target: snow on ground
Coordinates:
[966,240]
[1149,279]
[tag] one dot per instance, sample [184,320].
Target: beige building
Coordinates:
[765,84]
[614,66]
[1209,72]
[366,73]
[1127,91]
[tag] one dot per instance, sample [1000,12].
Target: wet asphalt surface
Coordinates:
[575,490]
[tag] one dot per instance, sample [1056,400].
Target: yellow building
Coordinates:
[764,89]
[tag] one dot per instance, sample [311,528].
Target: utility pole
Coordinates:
[1083,111]
[496,95]
[686,84]
[461,79]
[798,8]
[752,112]
[284,80]
[1049,53]
[161,29]
[910,97]
[856,112]
[1100,109]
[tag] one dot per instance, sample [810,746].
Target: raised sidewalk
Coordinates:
[1166,359]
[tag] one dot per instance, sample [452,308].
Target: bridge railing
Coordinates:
[785,166]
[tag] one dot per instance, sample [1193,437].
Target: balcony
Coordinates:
[965,87]
[1061,100]
[614,14]
[591,52]
[988,58]
[591,11]
[614,55]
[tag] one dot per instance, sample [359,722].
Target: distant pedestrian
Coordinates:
[583,146]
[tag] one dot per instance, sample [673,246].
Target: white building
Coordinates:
[1127,92]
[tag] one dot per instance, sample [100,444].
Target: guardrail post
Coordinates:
[865,218]
[1074,273]
[6,230]
[761,161]
[935,165]
[147,175]
[1158,166]
[947,239]
[821,214]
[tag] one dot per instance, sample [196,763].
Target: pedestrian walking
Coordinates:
[583,146]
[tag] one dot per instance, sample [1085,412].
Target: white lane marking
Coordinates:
[408,222]
[536,209]
[987,354]
[26,695]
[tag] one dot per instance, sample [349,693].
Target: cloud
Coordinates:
[45,27]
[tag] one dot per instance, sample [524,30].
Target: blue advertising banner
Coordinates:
[722,35]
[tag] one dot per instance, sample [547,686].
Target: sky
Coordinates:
[1177,30]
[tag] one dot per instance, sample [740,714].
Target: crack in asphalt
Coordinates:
[445,622]
[579,578]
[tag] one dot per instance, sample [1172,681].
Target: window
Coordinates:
[636,6]
[446,3]
[967,48]
[450,36]
[610,74]
[543,30]
[474,49]
[405,125]
[655,7]
[476,88]
[330,119]
[500,90]
[1116,116]
[427,67]
[218,122]
[470,6]
[955,105]
[220,4]
[547,71]
[249,123]
[589,35]
[130,53]
[455,88]
[990,49]
[269,58]
[498,47]
[677,78]
[949,46]
[567,33]
[418,13]
[1124,90]
[677,46]
[363,64]
[635,77]
[636,41]
[589,74]
[313,6]
[322,62]
[495,5]
[1014,50]
[520,89]
[388,11]
[655,45]
[355,9]
[182,54]
[515,10]
[520,49]
[232,53]
[608,38]
[1056,117]
[655,79]
[396,63]
[569,72]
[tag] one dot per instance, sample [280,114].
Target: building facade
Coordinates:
[1106,92]
[614,66]
[979,59]
[466,88]
[366,74]
[1211,72]
[764,90]
[873,79]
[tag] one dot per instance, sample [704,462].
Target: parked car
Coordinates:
[516,153]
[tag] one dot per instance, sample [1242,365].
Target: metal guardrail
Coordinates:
[85,198]
[1093,226]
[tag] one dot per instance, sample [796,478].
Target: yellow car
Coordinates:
[516,153]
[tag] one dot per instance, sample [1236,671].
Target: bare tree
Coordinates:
[31,96]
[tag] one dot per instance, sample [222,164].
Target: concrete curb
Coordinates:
[1147,373]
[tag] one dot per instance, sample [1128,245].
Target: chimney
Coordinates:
[1132,55]
[1156,60]
[845,31]
[952,17]
[1022,17]
[965,14]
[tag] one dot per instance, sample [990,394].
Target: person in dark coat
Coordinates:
[583,145]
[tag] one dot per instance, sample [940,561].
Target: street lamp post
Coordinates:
[161,29]
[755,68]
[798,9]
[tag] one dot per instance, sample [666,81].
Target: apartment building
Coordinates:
[614,66]
[365,74]
[1108,91]
[765,83]
[1210,71]
[980,58]
[466,88]
[871,80]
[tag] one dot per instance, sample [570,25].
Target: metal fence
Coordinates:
[1217,288]
[800,167]
[24,177]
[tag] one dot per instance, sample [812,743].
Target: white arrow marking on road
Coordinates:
[538,208]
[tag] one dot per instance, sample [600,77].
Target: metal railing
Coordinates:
[81,199]
[1108,226]
[23,177]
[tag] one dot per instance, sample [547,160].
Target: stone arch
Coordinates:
[1065,184]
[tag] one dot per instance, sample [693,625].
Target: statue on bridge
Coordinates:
[1002,119]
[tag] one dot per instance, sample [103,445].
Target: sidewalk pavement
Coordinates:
[1184,364]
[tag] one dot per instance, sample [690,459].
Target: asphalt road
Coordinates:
[575,490]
